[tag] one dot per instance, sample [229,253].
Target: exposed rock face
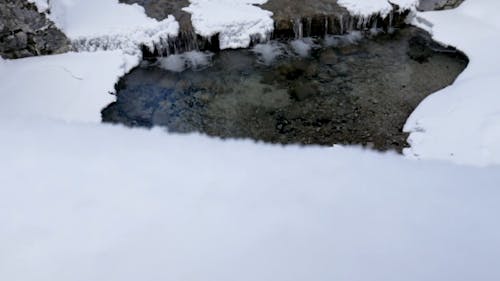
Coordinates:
[430,5]
[25,32]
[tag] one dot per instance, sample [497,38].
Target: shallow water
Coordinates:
[340,90]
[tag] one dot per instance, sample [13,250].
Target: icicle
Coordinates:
[298,29]
[359,22]
[374,30]
[309,26]
[367,22]
[326,26]
[350,26]
[390,29]
[341,24]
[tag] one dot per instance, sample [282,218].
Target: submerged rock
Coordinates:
[25,32]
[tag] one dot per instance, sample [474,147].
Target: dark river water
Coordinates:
[349,89]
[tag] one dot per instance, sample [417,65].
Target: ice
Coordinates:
[303,47]
[190,60]
[268,52]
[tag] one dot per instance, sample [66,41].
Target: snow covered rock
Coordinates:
[429,5]
[108,25]
[236,21]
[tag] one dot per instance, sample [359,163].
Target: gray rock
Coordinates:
[25,32]
[430,5]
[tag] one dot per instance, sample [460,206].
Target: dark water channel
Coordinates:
[343,90]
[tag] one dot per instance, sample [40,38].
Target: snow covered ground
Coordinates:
[82,200]
[69,87]
[462,122]
[97,202]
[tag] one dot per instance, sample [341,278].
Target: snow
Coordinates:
[406,4]
[86,201]
[367,8]
[42,5]
[109,25]
[236,21]
[69,87]
[98,202]
[460,123]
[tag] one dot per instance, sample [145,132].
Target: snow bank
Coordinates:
[70,87]
[109,25]
[95,202]
[461,123]
[236,21]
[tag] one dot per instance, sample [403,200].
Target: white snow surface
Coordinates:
[85,201]
[461,123]
[367,8]
[236,21]
[97,202]
[69,87]
[42,5]
[109,25]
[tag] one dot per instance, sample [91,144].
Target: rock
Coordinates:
[300,91]
[419,50]
[430,5]
[25,32]
[328,57]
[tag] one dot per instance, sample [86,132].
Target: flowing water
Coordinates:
[337,90]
